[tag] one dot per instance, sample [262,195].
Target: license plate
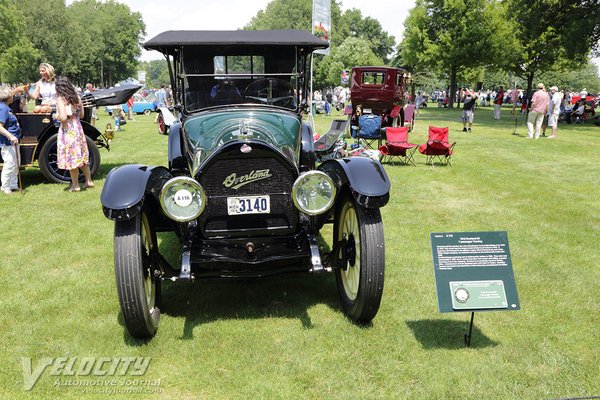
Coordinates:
[248,205]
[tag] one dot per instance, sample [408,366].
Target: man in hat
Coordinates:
[539,107]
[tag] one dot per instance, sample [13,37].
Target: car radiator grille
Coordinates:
[215,220]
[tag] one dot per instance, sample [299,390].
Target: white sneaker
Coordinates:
[6,191]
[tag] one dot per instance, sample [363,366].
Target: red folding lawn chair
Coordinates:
[397,145]
[438,147]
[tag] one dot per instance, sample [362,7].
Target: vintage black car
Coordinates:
[39,134]
[241,190]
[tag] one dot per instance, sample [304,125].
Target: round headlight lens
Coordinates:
[313,192]
[182,199]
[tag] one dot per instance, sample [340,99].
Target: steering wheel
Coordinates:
[272,91]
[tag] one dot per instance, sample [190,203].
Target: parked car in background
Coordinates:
[140,105]
[242,191]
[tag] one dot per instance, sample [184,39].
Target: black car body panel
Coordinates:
[365,178]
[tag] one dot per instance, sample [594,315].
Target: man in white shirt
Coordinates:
[554,111]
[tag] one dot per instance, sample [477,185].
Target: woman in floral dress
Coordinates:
[72,150]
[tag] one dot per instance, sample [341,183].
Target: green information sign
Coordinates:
[473,272]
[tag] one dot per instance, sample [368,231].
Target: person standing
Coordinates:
[161,97]
[342,99]
[9,142]
[498,102]
[130,108]
[45,89]
[418,102]
[469,100]
[89,88]
[328,101]
[539,107]
[72,150]
[514,99]
[554,111]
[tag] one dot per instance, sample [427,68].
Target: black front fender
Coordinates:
[126,188]
[365,178]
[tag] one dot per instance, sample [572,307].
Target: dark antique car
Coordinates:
[241,190]
[39,134]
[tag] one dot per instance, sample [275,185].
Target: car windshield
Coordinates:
[219,77]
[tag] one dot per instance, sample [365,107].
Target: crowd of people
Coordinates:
[561,105]
[336,98]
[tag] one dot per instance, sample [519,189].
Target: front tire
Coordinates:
[361,260]
[48,161]
[139,292]
[147,111]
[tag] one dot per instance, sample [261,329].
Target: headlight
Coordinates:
[313,192]
[182,199]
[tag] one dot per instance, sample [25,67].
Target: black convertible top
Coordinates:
[170,39]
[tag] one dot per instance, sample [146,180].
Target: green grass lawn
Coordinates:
[287,337]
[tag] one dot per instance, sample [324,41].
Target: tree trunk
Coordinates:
[453,72]
[530,80]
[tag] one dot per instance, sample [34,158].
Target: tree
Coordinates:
[454,36]
[353,24]
[54,34]
[552,34]
[117,49]
[352,52]
[17,51]
[157,72]
[89,40]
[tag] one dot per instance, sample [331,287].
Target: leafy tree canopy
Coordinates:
[89,40]
[455,36]
[15,48]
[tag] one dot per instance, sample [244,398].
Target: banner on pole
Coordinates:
[321,22]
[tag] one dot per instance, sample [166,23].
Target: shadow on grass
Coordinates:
[32,176]
[447,334]
[283,296]
[204,301]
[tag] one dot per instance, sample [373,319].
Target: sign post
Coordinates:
[473,272]
[321,27]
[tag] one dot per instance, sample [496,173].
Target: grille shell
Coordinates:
[283,219]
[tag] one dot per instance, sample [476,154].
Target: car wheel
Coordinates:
[138,290]
[160,122]
[147,111]
[48,161]
[361,260]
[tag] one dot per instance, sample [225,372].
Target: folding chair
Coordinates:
[438,147]
[369,130]
[409,116]
[330,144]
[397,145]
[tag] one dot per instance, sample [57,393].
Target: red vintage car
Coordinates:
[379,91]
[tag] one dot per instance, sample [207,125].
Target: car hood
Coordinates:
[207,132]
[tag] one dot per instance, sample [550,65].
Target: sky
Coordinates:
[161,15]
